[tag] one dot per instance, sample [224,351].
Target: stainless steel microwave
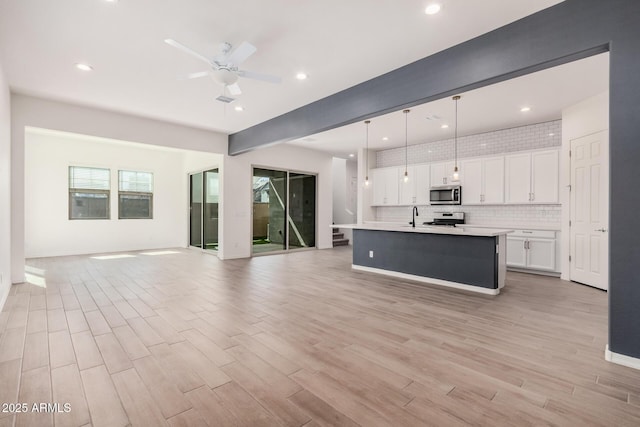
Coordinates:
[446,195]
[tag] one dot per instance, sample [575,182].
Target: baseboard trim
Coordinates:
[621,359]
[429,280]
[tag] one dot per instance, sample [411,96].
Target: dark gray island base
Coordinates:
[473,260]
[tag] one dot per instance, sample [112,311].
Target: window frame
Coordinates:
[136,193]
[71,190]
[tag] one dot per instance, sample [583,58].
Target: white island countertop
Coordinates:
[407,228]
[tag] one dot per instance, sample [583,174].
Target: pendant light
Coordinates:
[366,155]
[406,173]
[456,175]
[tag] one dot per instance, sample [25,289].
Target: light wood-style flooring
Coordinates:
[300,339]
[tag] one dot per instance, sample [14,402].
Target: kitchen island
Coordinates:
[473,259]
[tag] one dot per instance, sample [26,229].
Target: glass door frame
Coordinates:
[287,248]
[202,246]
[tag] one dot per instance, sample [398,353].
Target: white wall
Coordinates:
[344,198]
[5,189]
[365,197]
[236,194]
[49,232]
[585,118]
[54,115]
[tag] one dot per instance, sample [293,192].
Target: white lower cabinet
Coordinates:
[516,252]
[532,249]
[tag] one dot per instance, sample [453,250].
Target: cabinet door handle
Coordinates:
[533,196]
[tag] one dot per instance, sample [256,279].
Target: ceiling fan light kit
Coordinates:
[224,66]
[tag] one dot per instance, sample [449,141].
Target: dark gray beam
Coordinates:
[568,31]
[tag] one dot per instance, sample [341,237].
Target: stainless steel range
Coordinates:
[450,219]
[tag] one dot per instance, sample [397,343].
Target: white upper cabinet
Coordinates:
[544,176]
[423,184]
[385,186]
[532,177]
[442,173]
[518,178]
[482,181]
[471,181]
[493,180]
[416,190]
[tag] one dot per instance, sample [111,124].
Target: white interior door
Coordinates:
[590,210]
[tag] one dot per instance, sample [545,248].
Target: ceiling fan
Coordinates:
[224,66]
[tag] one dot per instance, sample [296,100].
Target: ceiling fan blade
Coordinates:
[241,53]
[234,89]
[194,75]
[257,76]
[185,49]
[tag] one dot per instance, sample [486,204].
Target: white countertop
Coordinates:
[542,227]
[454,231]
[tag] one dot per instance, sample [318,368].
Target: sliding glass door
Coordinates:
[195,207]
[204,201]
[284,211]
[302,210]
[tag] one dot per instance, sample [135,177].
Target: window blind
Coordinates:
[139,182]
[82,178]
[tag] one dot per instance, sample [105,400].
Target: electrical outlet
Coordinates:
[370,254]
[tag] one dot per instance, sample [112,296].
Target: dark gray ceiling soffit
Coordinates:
[571,30]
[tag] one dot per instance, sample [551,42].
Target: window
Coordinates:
[88,193]
[135,195]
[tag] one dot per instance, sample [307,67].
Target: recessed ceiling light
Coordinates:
[445,126]
[384,138]
[351,155]
[239,108]
[525,109]
[302,76]
[551,134]
[84,67]
[111,1]
[483,145]
[432,9]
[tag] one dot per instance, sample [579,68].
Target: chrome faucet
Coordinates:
[414,214]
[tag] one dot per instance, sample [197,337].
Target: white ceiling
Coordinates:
[489,108]
[338,43]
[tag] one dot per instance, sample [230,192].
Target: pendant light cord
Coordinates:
[456,133]
[406,133]
[366,156]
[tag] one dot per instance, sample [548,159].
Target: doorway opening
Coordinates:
[284,211]
[204,190]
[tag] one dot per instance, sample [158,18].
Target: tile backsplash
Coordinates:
[531,137]
[498,215]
